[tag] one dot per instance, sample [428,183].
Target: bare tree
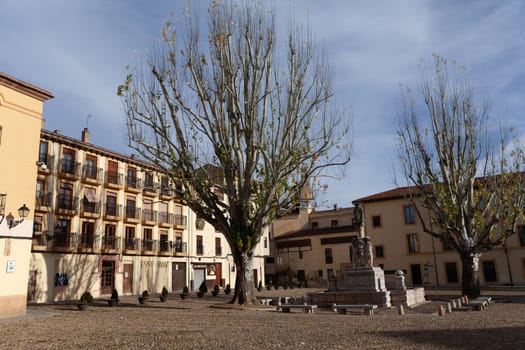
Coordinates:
[247,113]
[465,177]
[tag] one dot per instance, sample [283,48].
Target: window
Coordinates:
[111,204]
[131,178]
[42,199]
[521,233]
[489,271]
[42,153]
[61,235]
[200,247]
[218,248]
[446,239]
[87,237]
[90,169]
[89,202]
[180,219]
[131,208]
[112,172]
[65,196]
[178,242]
[37,223]
[328,256]
[413,245]
[109,236]
[265,242]
[320,273]
[376,221]
[147,210]
[148,181]
[300,254]
[379,251]
[410,217]
[130,237]
[68,161]
[315,224]
[164,244]
[334,223]
[163,212]
[147,239]
[452,272]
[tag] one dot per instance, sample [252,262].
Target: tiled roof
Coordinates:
[317,231]
[396,193]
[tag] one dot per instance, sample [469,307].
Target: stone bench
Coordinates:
[365,308]
[480,303]
[306,308]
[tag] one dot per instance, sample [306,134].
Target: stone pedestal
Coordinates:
[364,279]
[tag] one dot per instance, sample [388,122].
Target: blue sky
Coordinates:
[78,50]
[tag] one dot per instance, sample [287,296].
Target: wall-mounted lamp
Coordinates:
[23,213]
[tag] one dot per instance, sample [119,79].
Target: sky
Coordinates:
[78,50]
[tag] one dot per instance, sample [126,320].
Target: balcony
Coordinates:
[150,188]
[149,216]
[110,244]
[43,201]
[88,243]
[112,211]
[40,241]
[67,205]
[92,174]
[64,241]
[132,245]
[133,184]
[69,169]
[165,248]
[165,219]
[149,247]
[180,248]
[90,209]
[132,214]
[48,161]
[113,179]
[167,193]
[181,220]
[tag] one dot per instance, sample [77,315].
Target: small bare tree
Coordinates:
[247,113]
[466,178]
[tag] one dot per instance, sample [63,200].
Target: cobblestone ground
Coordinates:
[209,323]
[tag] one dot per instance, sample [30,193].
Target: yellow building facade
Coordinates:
[21,106]
[105,221]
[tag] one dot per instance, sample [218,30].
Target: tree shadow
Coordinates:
[467,338]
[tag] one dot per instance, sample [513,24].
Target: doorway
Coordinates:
[178,275]
[415,270]
[31,286]
[198,277]
[127,286]
[107,283]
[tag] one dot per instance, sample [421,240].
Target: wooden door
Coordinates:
[255,279]
[218,274]
[107,283]
[127,286]
[178,275]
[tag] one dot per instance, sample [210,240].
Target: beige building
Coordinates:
[308,245]
[105,221]
[400,243]
[21,107]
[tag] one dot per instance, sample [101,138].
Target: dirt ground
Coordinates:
[209,323]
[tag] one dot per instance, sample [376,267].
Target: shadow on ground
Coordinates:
[467,338]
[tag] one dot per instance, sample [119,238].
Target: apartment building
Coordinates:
[309,245]
[400,243]
[21,107]
[104,220]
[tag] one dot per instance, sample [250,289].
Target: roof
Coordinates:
[396,193]
[25,88]
[317,232]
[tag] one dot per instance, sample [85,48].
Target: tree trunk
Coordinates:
[244,288]
[470,275]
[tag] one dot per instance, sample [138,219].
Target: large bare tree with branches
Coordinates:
[246,112]
[466,173]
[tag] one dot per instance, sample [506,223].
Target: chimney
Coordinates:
[85,135]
